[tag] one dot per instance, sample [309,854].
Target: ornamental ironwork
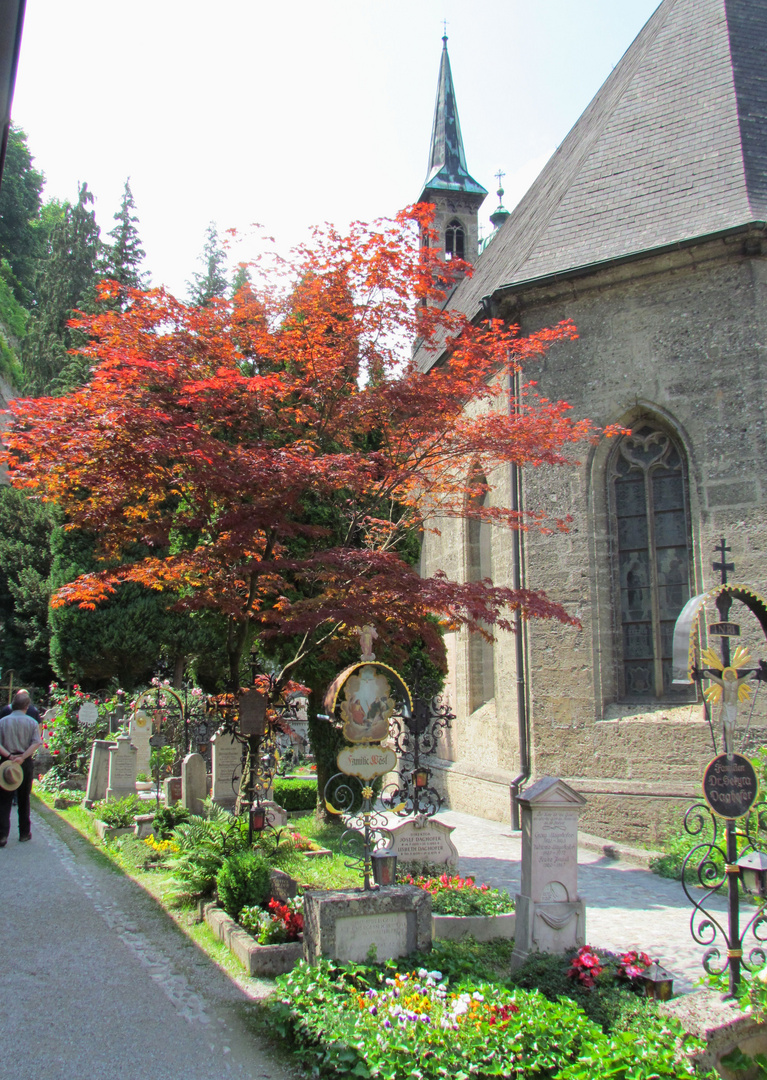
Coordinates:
[415,734]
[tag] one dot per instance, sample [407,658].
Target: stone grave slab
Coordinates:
[226,768]
[194,783]
[171,788]
[423,841]
[355,924]
[122,769]
[140,732]
[276,815]
[98,772]
[550,916]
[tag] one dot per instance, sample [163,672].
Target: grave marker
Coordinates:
[194,783]
[423,841]
[122,769]
[98,772]
[226,768]
[140,732]
[551,917]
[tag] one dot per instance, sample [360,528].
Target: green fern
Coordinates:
[203,843]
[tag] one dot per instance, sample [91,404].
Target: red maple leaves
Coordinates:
[274,455]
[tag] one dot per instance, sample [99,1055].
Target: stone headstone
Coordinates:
[122,769]
[88,713]
[143,826]
[423,841]
[194,783]
[140,732]
[551,917]
[172,790]
[98,772]
[226,768]
[282,886]
[355,925]
[276,816]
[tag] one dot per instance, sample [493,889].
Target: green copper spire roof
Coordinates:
[447,160]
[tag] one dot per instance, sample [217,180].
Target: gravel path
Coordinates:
[626,907]
[97,981]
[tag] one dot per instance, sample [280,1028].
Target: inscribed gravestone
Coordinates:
[550,916]
[98,772]
[172,790]
[140,733]
[358,935]
[194,783]
[226,768]
[122,769]
[423,841]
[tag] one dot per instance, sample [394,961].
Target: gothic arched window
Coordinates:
[455,240]
[480,566]
[648,481]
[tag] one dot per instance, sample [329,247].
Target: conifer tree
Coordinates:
[213,282]
[124,256]
[67,282]
[21,238]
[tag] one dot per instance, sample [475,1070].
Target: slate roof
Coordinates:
[673,147]
[447,160]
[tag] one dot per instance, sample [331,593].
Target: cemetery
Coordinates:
[383,951]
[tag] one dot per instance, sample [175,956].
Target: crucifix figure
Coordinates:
[730,687]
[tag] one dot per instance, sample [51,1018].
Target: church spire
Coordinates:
[447,159]
[455,194]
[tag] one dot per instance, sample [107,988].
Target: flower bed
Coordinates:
[412,1024]
[257,959]
[461,908]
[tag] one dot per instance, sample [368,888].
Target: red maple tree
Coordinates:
[276,453]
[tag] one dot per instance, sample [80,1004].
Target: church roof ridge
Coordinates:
[672,147]
[447,169]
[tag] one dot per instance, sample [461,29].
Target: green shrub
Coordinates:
[603,1003]
[243,881]
[296,794]
[167,818]
[203,843]
[120,813]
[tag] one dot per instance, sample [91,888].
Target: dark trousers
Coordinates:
[22,794]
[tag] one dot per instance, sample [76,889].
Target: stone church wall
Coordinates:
[681,339]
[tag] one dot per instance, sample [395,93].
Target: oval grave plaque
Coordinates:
[730,786]
[366,762]
[88,714]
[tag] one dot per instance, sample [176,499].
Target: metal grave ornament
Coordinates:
[88,713]
[366,762]
[720,858]
[730,786]
[363,699]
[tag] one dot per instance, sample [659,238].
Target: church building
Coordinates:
[647,228]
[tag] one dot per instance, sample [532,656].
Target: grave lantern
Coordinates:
[384,865]
[658,983]
[257,818]
[421,777]
[753,873]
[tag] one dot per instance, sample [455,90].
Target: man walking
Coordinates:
[19,740]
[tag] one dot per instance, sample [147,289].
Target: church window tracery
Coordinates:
[455,240]
[649,496]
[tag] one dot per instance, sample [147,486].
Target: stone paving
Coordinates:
[97,981]
[627,907]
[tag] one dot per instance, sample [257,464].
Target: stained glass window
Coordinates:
[650,506]
[480,567]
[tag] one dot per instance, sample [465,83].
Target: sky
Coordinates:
[290,114]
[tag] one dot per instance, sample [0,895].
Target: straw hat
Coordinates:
[11,775]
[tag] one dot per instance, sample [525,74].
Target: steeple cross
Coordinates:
[444,29]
